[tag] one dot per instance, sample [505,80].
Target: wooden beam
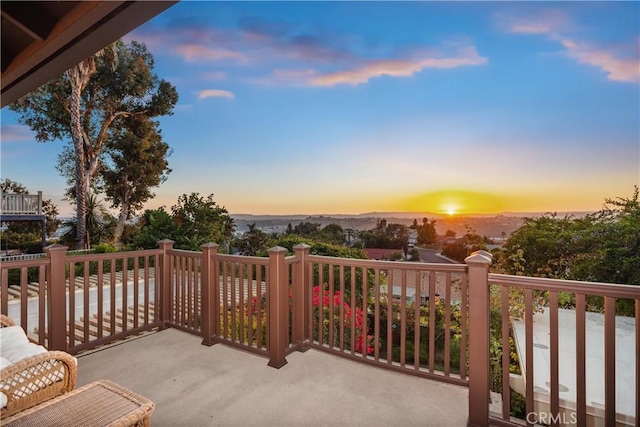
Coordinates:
[30,18]
[82,32]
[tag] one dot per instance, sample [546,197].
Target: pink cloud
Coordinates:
[548,22]
[14,133]
[198,52]
[618,69]
[554,24]
[397,68]
[215,93]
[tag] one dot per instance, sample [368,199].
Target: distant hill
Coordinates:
[491,225]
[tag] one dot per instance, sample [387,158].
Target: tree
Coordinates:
[194,221]
[88,100]
[26,235]
[306,228]
[252,241]
[200,220]
[154,225]
[332,233]
[99,224]
[426,232]
[600,247]
[387,236]
[138,162]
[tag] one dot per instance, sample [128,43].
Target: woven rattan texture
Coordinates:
[101,403]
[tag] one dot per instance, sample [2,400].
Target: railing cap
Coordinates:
[165,242]
[479,257]
[301,246]
[209,245]
[276,250]
[56,247]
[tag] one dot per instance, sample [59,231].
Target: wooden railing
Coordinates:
[562,375]
[430,320]
[21,204]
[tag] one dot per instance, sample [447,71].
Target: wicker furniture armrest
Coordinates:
[36,379]
[6,321]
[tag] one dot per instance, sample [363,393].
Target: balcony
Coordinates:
[195,385]
[204,330]
[21,204]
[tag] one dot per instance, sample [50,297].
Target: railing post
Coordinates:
[57,295]
[301,295]
[39,202]
[278,314]
[207,278]
[165,281]
[478,264]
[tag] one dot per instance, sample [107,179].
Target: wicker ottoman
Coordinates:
[101,403]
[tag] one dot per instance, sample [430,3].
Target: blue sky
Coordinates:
[350,107]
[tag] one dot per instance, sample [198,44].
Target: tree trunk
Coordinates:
[122,220]
[78,143]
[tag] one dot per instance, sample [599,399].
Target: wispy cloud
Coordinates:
[548,22]
[397,68]
[16,133]
[299,57]
[198,52]
[555,25]
[215,93]
[619,69]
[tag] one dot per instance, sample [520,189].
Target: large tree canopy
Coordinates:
[600,247]
[194,220]
[89,100]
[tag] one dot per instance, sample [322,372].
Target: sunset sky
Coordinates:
[352,107]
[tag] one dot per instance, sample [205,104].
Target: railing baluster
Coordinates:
[4,290]
[85,295]
[553,353]
[403,317]
[24,297]
[225,300]
[259,310]
[416,323]
[389,321]
[332,342]
[506,389]
[447,324]
[250,305]
[342,302]
[365,298]
[581,365]
[112,299]
[125,285]
[320,303]
[464,320]
[234,284]
[376,326]
[42,307]
[136,291]
[352,320]
[100,300]
[146,289]
[528,321]
[610,361]
[432,321]
[71,326]
[241,311]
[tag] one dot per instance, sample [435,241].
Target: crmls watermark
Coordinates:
[547,418]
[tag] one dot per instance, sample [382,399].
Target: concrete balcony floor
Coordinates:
[195,385]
